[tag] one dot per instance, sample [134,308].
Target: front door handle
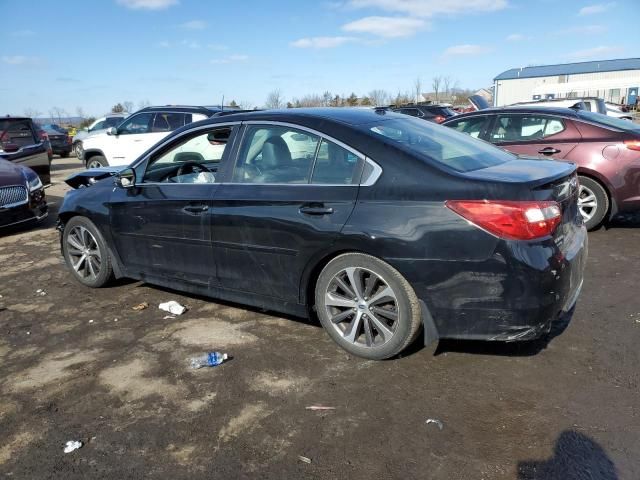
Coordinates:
[549,151]
[195,209]
[316,210]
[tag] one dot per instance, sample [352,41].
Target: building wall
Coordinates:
[607,85]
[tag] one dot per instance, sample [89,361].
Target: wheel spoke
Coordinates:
[368,333]
[346,288]
[334,300]
[390,314]
[342,315]
[73,241]
[77,266]
[90,270]
[370,284]
[352,333]
[383,295]
[355,278]
[381,327]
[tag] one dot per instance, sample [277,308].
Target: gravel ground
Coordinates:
[81,364]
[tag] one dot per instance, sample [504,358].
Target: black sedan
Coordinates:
[378,222]
[59,139]
[22,198]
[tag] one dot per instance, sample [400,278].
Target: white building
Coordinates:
[613,80]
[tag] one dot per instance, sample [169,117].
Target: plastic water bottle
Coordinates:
[211,359]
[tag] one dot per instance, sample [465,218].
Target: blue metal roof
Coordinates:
[571,69]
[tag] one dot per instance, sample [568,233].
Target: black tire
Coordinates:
[97,161]
[105,270]
[65,154]
[77,149]
[405,307]
[599,212]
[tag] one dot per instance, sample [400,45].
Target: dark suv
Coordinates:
[22,144]
[432,113]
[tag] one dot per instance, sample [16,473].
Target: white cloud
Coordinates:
[429,8]
[465,50]
[20,60]
[321,42]
[194,25]
[597,8]
[583,29]
[387,27]
[147,4]
[601,51]
[230,59]
[515,37]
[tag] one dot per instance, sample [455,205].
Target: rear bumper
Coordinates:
[514,295]
[58,149]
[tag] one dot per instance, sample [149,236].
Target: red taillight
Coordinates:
[633,145]
[439,119]
[68,139]
[512,220]
[43,136]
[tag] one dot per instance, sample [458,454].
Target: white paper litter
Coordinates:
[72,445]
[173,307]
[41,292]
[435,421]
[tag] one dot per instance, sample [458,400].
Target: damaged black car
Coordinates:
[382,224]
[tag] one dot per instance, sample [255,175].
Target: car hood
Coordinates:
[95,136]
[88,177]
[11,174]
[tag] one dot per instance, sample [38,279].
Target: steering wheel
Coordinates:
[193,166]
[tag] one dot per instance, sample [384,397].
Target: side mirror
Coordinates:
[126,178]
[112,131]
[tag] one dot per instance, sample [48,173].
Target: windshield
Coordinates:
[617,123]
[440,144]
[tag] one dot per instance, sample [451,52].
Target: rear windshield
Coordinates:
[617,123]
[16,132]
[440,144]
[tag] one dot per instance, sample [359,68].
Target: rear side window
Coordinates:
[524,128]
[414,112]
[111,122]
[334,165]
[438,144]
[16,133]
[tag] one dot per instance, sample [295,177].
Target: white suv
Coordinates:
[123,144]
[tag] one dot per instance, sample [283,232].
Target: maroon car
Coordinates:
[605,149]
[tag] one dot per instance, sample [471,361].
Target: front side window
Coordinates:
[523,128]
[167,122]
[472,126]
[112,122]
[274,154]
[442,145]
[99,125]
[140,123]
[195,159]
[334,165]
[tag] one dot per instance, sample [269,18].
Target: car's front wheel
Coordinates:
[86,252]
[97,161]
[77,148]
[593,202]
[366,306]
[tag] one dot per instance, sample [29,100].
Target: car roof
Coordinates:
[342,115]
[180,108]
[565,112]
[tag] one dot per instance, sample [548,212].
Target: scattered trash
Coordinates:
[41,292]
[435,421]
[28,333]
[90,321]
[173,307]
[304,459]
[319,407]
[168,317]
[211,359]
[115,319]
[140,307]
[72,445]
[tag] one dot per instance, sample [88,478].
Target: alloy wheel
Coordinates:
[84,253]
[79,150]
[94,164]
[587,203]
[362,307]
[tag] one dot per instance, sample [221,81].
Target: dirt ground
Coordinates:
[80,364]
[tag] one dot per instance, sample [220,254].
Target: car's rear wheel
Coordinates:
[97,161]
[86,253]
[366,306]
[77,148]
[593,202]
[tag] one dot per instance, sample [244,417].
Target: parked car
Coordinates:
[100,125]
[22,143]
[432,113]
[605,149]
[618,111]
[60,141]
[391,222]
[573,103]
[122,144]
[22,197]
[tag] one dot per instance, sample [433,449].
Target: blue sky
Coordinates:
[93,54]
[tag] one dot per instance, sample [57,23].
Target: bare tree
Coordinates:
[57,112]
[128,106]
[378,97]
[436,83]
[245,104]
[144,104]
[326,99]
[31,112]
[80,112]
[274,99]
[417,87]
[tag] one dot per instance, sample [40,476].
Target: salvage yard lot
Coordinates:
[80,364]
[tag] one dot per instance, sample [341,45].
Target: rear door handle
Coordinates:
[549,151]
[195,208]
[316,210]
